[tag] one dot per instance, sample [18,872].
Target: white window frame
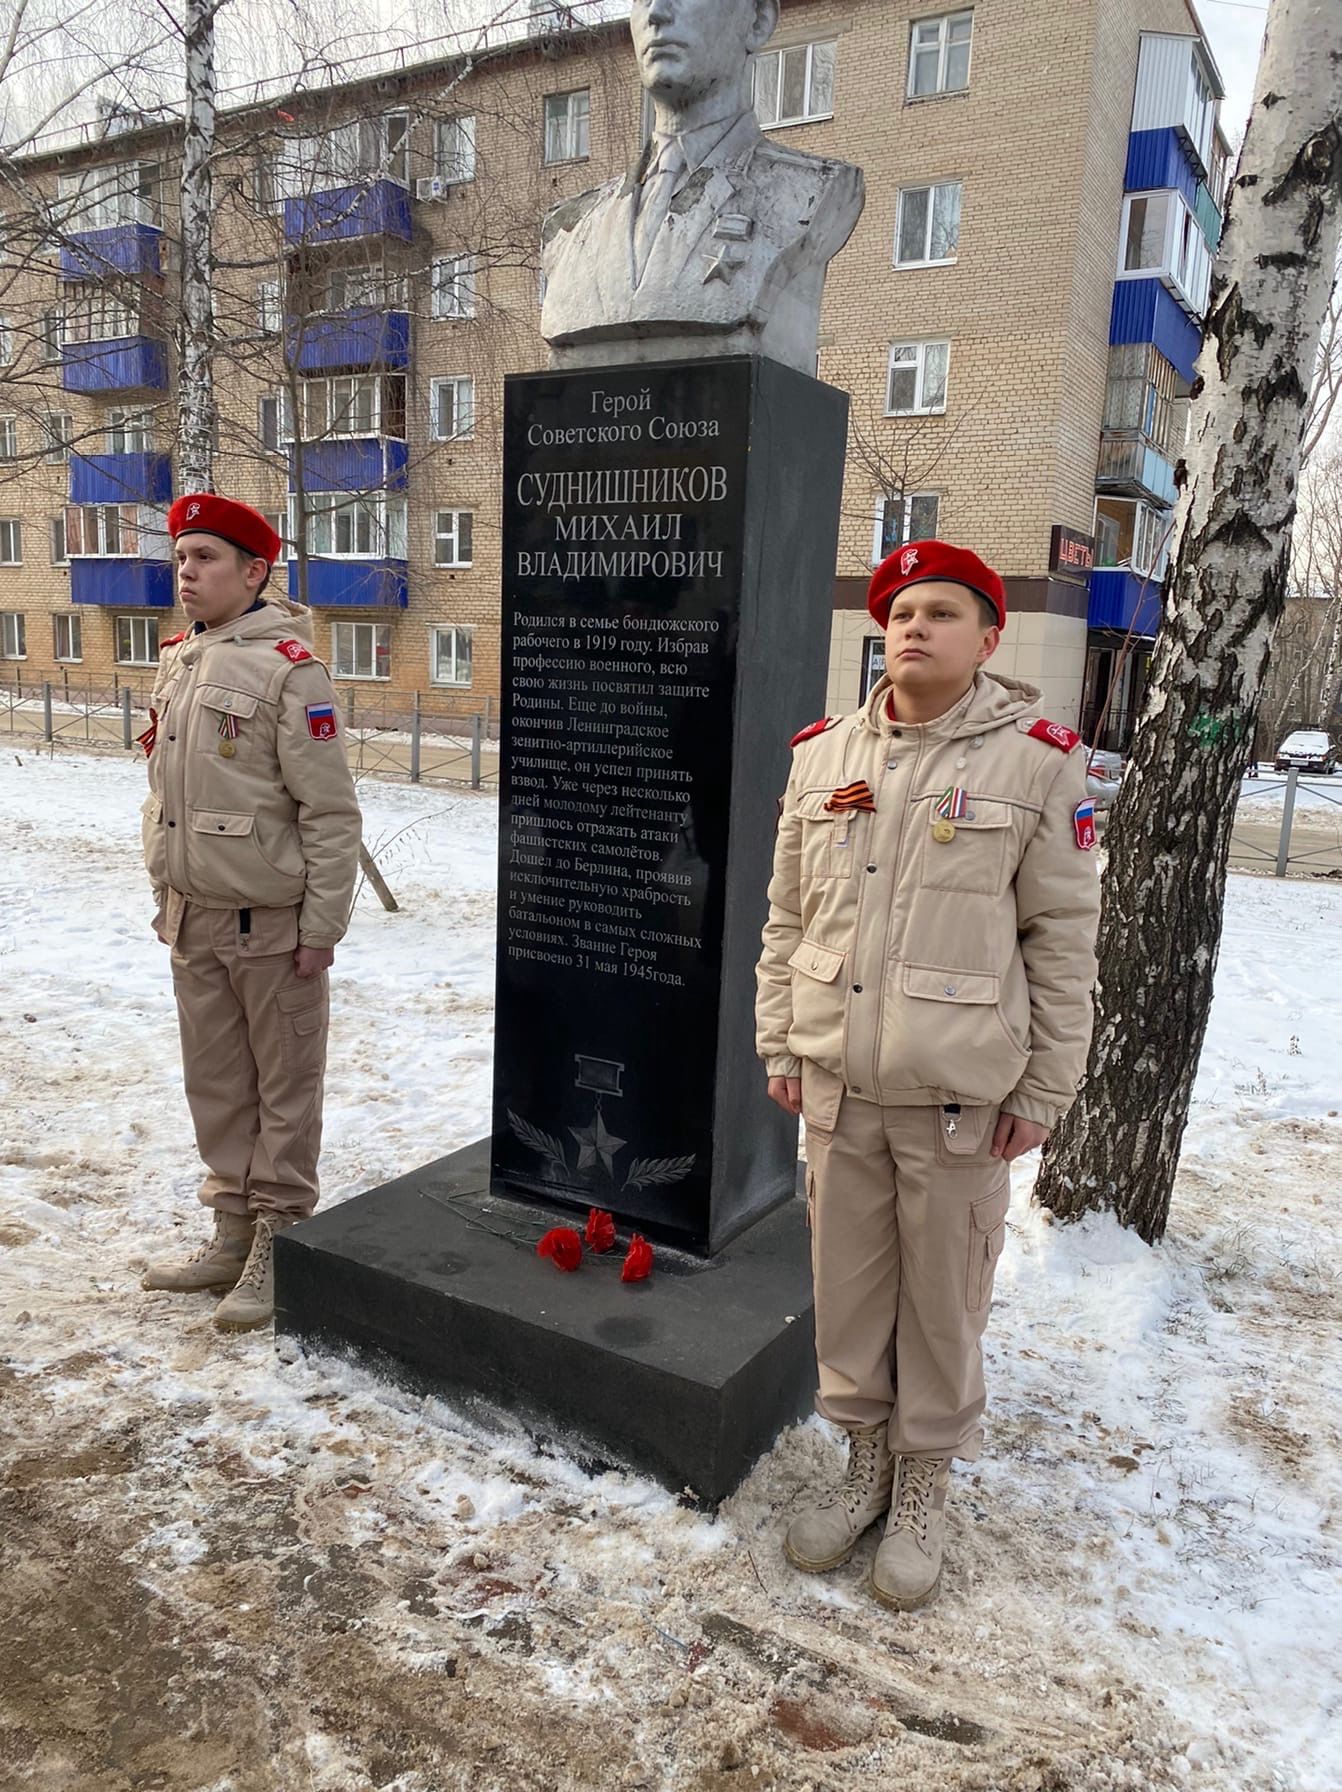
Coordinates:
[366,287]
[454,164]
[451,535]
[375,522]
[926,259]
[944,24]
[332,402]
[52,333]
[130,426]
[57,429]
[879,547]
[357,150]
[93,313]
[11,541]
[95,522]
[9,436]
[6,342]
[452,277]
[69,622]
[118,193]
[462,386]
[358,632]
[1184,260]
[448,668]
[768,84]
[141,635]
[60,552]
[284,425]
[1150,557]
[269,307]
[566,126]
[920,407]
[13,635]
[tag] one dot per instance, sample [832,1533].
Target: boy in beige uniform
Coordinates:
[925,1002]
[251,837]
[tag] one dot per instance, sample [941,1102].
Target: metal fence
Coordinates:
[1301,844]
[454,740]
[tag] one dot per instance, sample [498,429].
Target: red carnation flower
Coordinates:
[599,1232]
[637,1260]
[562,1246]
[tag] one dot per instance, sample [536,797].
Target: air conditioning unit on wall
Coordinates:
[432,186]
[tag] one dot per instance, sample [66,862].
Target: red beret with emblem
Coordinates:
[921,561]
[206,513]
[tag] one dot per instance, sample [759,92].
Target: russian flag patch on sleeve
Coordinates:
[1083,820]
[321,721]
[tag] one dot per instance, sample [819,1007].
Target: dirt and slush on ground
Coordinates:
[227,1569]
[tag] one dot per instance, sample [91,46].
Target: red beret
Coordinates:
[924,560]
[205,513]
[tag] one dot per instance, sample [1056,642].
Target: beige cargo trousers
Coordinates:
[253,1054]
[908,1219]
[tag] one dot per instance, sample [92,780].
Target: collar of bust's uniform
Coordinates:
[699,144]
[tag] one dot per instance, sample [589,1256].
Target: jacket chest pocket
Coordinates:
[226,721]
[829,838]
[969,854]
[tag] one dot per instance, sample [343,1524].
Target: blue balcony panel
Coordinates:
[379,208]
[363,464]
[349,339]
[1208,216]
[1129,464]
[353,584]
[120,479]
[1144,311]
[125,364]
[1158,159]
[127,584]
[119,249]
[1117,601]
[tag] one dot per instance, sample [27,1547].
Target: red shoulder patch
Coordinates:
[1056,735]
[293,650]
[172,640]
[814,728]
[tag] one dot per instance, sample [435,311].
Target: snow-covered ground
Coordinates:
[223,1572]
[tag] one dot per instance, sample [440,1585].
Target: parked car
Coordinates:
[1309,750]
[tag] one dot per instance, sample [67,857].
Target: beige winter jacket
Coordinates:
[926,971]
[272,821]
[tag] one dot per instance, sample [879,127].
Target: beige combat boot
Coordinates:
[252,1302]
[217,1264]
[827,1534]
[907,1568]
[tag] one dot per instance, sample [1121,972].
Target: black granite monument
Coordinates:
[668,552]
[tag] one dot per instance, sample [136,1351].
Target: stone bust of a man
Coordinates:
[717,240]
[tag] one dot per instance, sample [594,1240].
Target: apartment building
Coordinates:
[1015,319]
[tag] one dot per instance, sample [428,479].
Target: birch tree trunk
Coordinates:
[196,407]
[1169,833]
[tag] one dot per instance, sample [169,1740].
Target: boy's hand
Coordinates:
[786,1091]
[1013,1137]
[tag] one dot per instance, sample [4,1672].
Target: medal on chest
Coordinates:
[228,734]
[953,807]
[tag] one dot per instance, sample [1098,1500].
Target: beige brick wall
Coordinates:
[1038,142]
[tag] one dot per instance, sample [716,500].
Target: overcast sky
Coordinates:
[1235,31]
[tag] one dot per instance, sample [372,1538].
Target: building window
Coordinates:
[361,650]
[137,640]
[6,342]
[93,313]
[912,516]
[1145,395]
[362,149]
[130,432]
[454,148]
[60,553]
[13,645]
[9,438]
[794,85]
[279,522]
[917,383]
[269,311]
[453,279]
[366,286]
[939,54]
[103,531]
[873,664]
[355,404]
[53,335]
[11,542]
[452,537]
[67,642]
[451,655]
[927,228]
[273,422]
[352,525]
[98,198]
[57,429]
[566,121]
[1161,238]
[1132,536]
[452,408]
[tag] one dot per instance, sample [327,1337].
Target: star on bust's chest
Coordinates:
[727,256]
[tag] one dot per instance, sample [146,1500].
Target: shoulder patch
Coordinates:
[814,728]
[293,650]
[1064,739]
[172,640]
